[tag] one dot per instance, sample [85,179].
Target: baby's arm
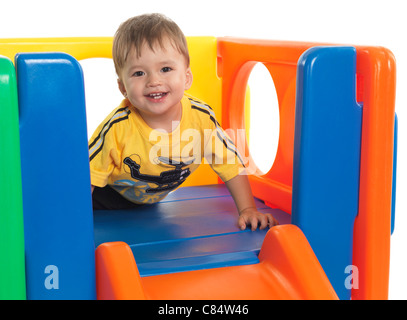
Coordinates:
[241,192]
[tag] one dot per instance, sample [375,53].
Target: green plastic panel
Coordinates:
[12,265]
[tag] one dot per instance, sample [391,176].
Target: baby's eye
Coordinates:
[138,73]
[166,69]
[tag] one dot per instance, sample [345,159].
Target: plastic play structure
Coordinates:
[331,186]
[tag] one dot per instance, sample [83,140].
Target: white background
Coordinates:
[360,22]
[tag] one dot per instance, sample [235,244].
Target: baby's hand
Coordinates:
[250,216]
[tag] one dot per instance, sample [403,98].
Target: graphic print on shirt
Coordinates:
[148,175]
[167,180]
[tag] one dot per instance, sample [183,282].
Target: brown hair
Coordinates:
[150,29]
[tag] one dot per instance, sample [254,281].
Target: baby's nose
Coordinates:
[154,81]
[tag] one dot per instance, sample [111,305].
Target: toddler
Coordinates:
[158,135]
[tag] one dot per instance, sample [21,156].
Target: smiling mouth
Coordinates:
[156,95]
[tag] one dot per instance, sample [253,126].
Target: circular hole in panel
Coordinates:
[101,90]
[264,117]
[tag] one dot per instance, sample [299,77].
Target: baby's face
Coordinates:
[155,82]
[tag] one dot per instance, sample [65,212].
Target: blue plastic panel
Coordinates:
[327,157]
[394,183]
[240,248]
[193,228]
[55,175]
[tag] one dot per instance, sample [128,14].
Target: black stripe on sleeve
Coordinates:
[104,126]
[225,143]
[104,134]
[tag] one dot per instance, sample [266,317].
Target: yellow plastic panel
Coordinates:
[80,48]
[207,87]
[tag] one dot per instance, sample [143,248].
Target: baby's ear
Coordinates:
[122,88]
[188,79]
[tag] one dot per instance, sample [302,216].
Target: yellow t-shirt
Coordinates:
[145,164]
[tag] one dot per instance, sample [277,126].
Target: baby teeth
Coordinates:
[156,95]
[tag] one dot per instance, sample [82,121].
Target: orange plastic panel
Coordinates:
[288,269]
[237,58]
[371,251]
[376,90]
[117,276]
